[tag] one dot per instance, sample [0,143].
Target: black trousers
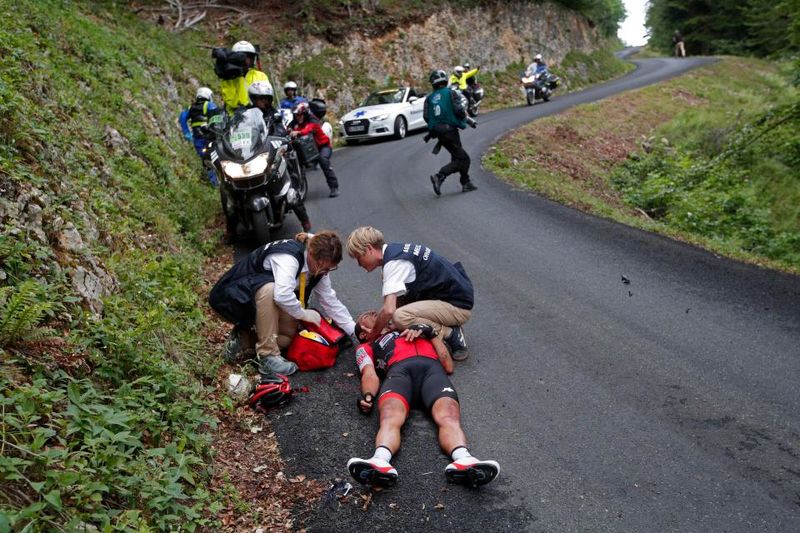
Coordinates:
[459,159]
[325,154]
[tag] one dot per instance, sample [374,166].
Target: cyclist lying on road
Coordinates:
[414,364]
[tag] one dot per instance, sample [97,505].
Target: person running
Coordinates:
[419,287]
[413,364]
[444,114]
[269,289]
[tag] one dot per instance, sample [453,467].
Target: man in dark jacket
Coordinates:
[445,114]
[306,123]
[677,42]
[194,123]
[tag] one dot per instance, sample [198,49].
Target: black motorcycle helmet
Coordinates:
[438,78]
[318,107]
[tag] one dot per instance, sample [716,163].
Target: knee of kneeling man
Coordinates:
[402,319]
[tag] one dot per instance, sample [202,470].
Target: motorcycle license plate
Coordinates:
[356,127]
[240,139]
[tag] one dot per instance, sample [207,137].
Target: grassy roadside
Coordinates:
[110,414]
[710,158]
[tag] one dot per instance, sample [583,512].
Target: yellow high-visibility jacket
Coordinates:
[462,81]
[234,92]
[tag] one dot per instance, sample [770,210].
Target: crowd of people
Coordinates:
[444,113]
[405,349]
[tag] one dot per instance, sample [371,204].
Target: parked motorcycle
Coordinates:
[260,180]
[539,86]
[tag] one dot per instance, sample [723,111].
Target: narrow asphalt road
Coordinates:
[667,404]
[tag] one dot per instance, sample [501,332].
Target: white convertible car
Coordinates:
[390,112]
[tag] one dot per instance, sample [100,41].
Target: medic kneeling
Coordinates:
[269,289]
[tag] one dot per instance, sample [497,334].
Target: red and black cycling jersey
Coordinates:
[391,348]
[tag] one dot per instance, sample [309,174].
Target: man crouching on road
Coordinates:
[419,287]
[414,363]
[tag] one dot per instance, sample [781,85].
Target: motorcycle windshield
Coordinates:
[246,135]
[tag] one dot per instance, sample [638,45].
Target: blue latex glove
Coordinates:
[188,136]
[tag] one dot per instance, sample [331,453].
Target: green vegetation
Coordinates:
[104,417]
[757,27]
[716,164]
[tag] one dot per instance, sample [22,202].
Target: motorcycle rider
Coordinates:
[461,75]
[234,92]
[292,98]
[464,79]
[306,123]
[537,66]
[445,115]
[194,123]
[261,96]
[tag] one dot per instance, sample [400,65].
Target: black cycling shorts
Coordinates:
[417,382]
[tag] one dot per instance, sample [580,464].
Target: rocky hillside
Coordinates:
[342,67]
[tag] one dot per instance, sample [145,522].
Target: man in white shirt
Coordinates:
[419,287]
[270,289]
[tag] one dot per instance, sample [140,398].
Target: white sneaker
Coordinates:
[372,471]
[471,471]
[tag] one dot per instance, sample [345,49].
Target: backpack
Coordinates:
[315,347]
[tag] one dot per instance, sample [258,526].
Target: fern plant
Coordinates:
[22,310]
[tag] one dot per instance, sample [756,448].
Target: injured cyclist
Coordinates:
[414,365]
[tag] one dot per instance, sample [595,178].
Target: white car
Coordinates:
[390,112]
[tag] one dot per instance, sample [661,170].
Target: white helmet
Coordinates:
[290,85]
[204,92]
[244,46]
[537,57]
[260,88]
[459,69]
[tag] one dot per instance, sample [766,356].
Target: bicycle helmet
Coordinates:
[204,93]
[244,46]
[537,58]
[459,70]
[272,391]
[438,77]
[289,85]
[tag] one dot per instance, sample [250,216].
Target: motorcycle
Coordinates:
[539,86]
[474,94]
[260,176]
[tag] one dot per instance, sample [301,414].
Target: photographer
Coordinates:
[237,70]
